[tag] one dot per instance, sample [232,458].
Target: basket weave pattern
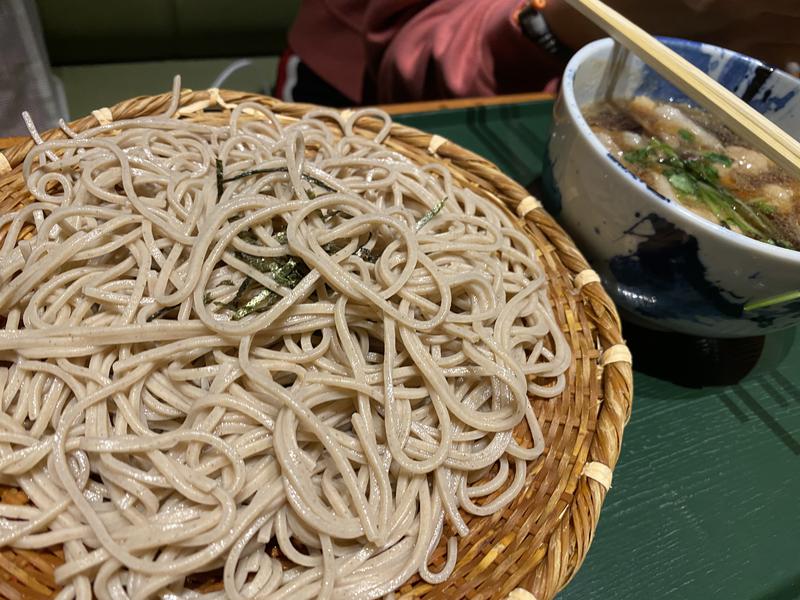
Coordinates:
[540,540]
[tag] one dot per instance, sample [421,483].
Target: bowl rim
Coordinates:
[567,94]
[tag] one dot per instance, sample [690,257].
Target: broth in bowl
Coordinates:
[687,156]
[665,266]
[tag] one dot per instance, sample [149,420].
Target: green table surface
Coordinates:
[706,496]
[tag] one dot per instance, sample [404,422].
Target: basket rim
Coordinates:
[577,522]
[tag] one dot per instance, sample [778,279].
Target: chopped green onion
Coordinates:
[683,183]
[780,299]
[637,157]
[698,178]
[763,207]
[722,159]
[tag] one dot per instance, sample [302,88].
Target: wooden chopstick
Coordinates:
[740,117]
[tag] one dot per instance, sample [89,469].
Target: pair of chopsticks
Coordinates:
[740,117]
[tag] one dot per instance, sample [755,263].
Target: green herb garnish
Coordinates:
[656,151]
[258,303]
[331,248]
[763,207]
[259,263]
[335,213]
[251,238]
[160,313]
[425,219]
[732,211]
[780,299]
[682,182]
[366,254]
[241,305]
[238,298]
[687,135]
[722,159]
[220,180]
[248,236]
[251,172]
[287,271]
[639,156]
[696,177]
[702,169]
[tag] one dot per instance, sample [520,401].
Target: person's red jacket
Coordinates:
[404,50]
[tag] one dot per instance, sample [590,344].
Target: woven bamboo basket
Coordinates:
[536,545]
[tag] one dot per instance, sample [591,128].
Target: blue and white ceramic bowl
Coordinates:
[666,267]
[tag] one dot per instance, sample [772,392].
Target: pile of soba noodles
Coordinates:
[274,347]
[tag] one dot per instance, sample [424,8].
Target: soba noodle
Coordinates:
[272,346]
